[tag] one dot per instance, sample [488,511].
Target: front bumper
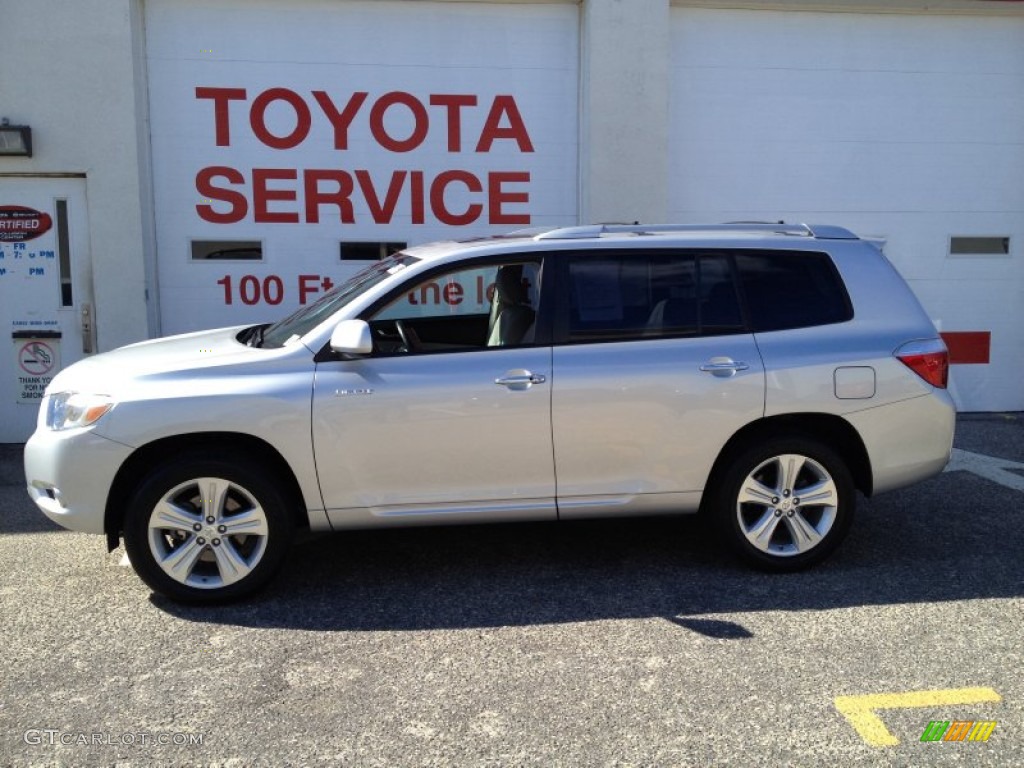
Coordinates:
[69,475]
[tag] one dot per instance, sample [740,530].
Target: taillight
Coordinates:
[929,359]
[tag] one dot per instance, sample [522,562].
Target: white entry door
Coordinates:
[46,305]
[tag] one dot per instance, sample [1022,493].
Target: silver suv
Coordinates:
[760,374]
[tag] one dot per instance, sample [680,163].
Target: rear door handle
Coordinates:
[520,379]
[723,367]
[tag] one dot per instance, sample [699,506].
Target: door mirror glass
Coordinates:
[352,337]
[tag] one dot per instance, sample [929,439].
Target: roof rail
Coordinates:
[573,233]
[779,228]
[831,232]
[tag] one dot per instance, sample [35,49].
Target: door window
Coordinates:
[650,295]
[472,308]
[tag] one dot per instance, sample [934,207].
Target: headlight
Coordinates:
[66,410]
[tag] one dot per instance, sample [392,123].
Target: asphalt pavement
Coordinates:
[606,643]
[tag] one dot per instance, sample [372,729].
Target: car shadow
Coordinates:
[17,513]
[954,537]
[20,515]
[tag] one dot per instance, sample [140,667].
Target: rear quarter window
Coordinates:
[792,289]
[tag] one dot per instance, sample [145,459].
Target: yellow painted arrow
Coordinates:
[860,710]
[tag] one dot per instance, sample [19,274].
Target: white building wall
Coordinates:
[77,73]
[625,86]
[906,127]
[69,71]
[460,121]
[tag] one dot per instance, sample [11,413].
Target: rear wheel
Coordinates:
[201,529]
[786,504]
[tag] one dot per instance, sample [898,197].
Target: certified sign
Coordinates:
[18,223]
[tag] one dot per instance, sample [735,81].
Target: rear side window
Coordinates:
[650,294]
[792,289]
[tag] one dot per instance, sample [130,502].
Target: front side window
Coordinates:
[477,307]
[643,295]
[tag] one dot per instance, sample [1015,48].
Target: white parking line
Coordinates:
[988,467]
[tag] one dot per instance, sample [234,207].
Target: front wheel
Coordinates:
[786,504]
[201,529]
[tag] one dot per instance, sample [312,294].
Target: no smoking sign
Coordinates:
[38,361]
[36,358]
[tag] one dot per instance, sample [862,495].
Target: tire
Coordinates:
[221,548]
[786,504]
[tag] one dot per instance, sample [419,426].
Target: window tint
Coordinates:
[719,305]
[792,289]
[651,295]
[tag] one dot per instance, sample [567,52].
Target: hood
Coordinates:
[202,352]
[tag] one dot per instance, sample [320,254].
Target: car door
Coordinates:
[655,371]
[449,420]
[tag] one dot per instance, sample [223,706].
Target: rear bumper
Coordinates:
[908,441]
[69,474]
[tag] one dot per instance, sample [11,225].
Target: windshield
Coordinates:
[308,317]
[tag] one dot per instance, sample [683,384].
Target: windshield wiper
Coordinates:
[255,336]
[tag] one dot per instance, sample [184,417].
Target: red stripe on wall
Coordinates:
[968,347]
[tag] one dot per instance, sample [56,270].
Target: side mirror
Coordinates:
[352,337]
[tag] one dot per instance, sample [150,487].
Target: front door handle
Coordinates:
[520,379]
[723,367]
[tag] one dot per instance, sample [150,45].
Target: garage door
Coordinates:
[294,141]
[907,127]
